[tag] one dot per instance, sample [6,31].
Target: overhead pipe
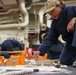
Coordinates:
[41,13]
[24,12]
[4,13]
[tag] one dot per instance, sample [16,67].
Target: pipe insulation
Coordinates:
[23,11]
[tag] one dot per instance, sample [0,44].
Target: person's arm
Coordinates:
[43,36]
[70,26]
[51,38]
[40,39]
[19,45]
[0,48]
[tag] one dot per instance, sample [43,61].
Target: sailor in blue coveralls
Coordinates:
[10,45]
[64,23]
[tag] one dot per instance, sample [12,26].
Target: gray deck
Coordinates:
[63,71]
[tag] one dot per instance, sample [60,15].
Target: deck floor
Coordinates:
[6,70]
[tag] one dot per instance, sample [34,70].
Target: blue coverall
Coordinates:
[10,45]
[59,26]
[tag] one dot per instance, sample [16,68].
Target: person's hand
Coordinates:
[36,54]
[70,26]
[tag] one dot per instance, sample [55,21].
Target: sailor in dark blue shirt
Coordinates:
[10,45]
[64,23]
[43,32]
